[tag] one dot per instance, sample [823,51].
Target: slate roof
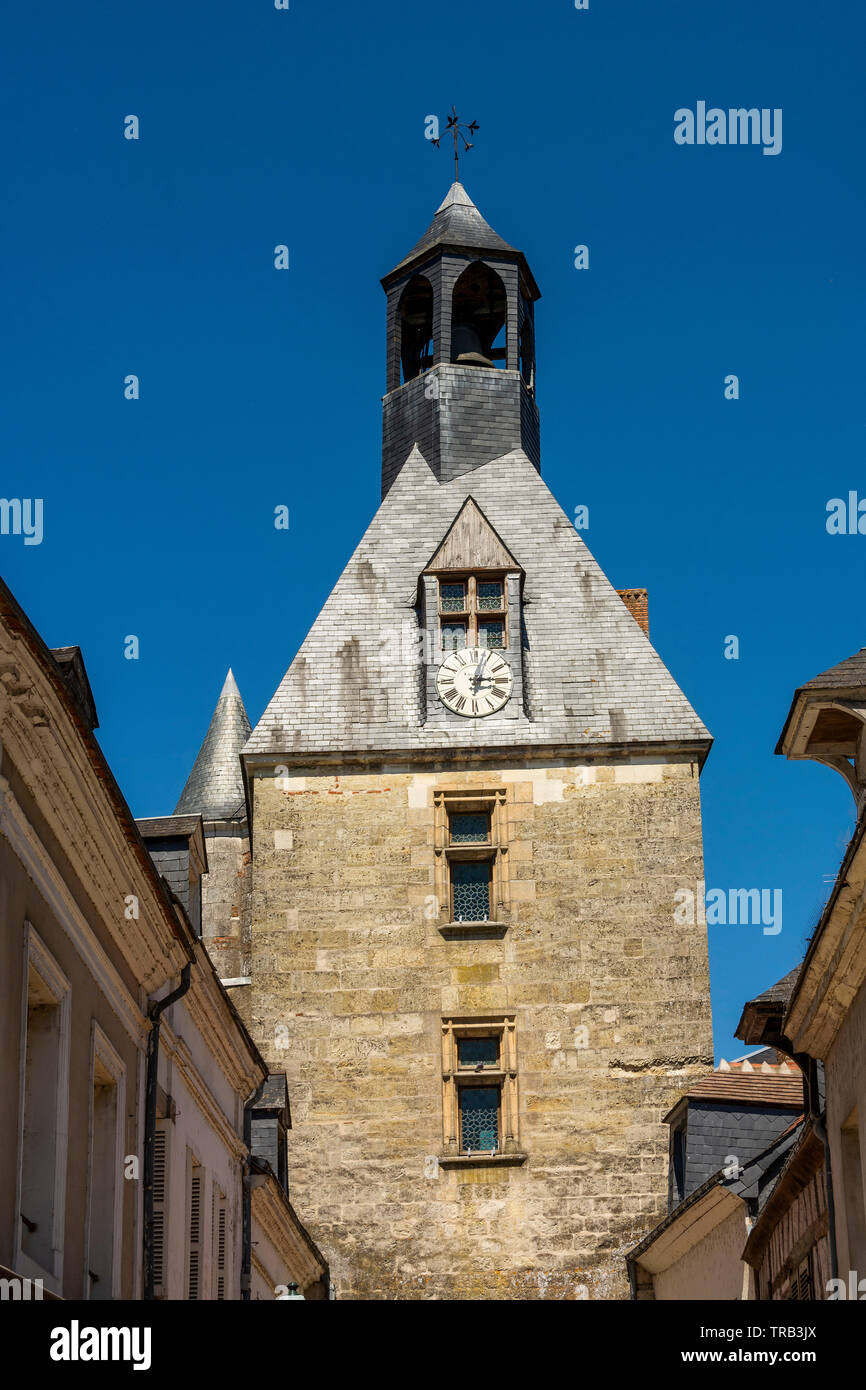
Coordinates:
[214,789]
[457,222]
[594,678]
[848,673]
[758,1179]
[781,991]
[74,673]
[766,1012]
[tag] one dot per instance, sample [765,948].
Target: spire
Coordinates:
[457,222]
[214,789]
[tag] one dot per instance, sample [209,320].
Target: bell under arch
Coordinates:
[479,315]
[415,314]
[441,395]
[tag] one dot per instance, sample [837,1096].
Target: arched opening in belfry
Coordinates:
[416,327]
[527,350]
[478,318]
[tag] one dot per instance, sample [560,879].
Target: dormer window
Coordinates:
[473,612]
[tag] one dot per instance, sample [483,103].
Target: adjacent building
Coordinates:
[129,1165]
[804,1196]
[731,1137]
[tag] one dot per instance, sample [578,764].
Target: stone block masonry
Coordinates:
[352,977]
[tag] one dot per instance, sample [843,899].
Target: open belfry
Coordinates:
[443,865]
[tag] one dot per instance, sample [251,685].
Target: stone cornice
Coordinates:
[504,755]
[222,1029]
[63,770]
[835,965]
[53,888]
[174,1046]
[279,1222]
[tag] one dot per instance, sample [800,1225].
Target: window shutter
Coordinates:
[221,1252]
[218,1242]
[195,1193]
[159,1155]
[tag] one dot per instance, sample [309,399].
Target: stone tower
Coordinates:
[214,790]
[474,798]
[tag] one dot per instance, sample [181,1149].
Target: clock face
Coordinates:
[474,681]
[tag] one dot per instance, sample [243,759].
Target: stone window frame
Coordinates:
[55,983]
[471,613]
[504,1078]
[105,1058]
[490,801]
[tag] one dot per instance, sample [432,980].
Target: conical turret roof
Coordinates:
[458,223]
[214,789]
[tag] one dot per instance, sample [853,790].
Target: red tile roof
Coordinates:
[766,1083]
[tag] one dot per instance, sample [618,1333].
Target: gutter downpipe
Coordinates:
[155,1009]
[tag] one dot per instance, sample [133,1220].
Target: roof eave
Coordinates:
[414,261]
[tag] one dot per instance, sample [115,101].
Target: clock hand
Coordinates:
[476,679]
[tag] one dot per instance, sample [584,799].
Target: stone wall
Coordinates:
[352,976]
[225,895]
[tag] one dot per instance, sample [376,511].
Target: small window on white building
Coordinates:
[43,1118]
[105,1183]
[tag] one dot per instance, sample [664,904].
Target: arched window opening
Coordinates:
[416,327]
[478,319]
[527,352]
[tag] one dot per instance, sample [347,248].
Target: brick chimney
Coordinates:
[637,603]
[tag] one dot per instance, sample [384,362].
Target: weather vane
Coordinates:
[457,131]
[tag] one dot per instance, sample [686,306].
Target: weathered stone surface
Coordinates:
[351,979]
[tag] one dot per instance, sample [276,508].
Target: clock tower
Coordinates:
[473,807]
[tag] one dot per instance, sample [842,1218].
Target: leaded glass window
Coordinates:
[491,633]
[490,594]
[479,1118]
[477,598]
[475,1052]
[468,828]
[470,885]
[453,637]
[452,598]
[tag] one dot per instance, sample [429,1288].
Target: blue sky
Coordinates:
[306,127]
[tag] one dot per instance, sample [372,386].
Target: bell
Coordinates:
[466,346]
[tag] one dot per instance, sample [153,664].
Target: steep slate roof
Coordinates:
[593,676]
[781,991]
[457,222]
[214,789]
[767,1010]
[848,674]
[757,1180]
[74,673]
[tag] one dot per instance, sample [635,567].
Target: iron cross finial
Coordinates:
[457,131]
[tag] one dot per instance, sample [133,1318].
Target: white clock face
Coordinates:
[474,681]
